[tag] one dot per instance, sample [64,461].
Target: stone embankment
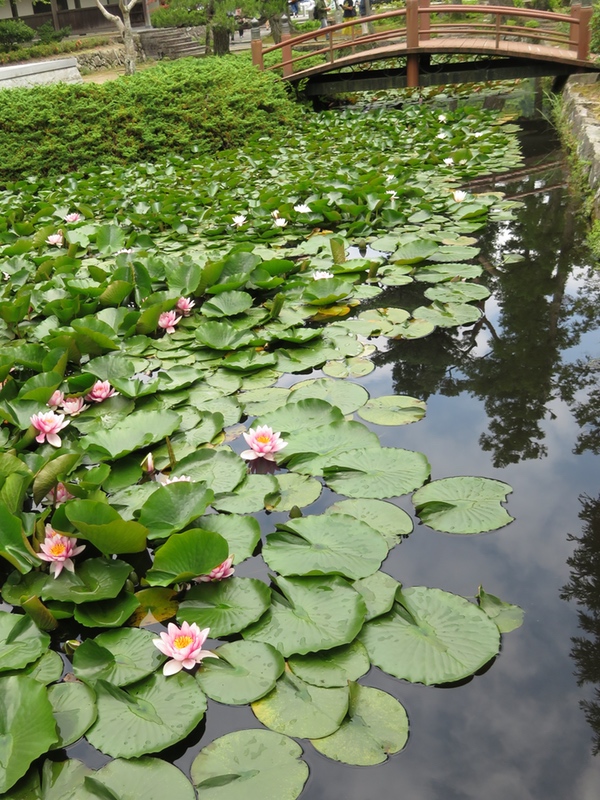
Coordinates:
[582,115]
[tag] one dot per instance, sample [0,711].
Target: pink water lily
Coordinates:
[74,216]
[73,406]
[60,494]
[183,646]
[56,399]
[264,443]
[58,550]
[100,391]
[168,320]
[224,570]
[55,239]
[185,305]
[49,424]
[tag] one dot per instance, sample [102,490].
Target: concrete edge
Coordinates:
[585,127]
[22,70]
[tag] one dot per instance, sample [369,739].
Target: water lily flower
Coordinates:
[60,494]
[126,250]
[449,162]
[49,424]
[275,214]
[185,305]
[56,399]
[441,135]
[302,208]
[58,550]
[280,222]
[183,646]
[55,239]
[442,118]
[322,274]
[73,406]
[100,391]
[165,480]
[148,464]
[392,193]
[224,570]
[239,220]
[168,320]
[263,443]
[74,217]
[478,134]
[459,195]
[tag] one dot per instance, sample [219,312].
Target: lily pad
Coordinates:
[392,522]
[107,613]
[173,507]
[507,616]
[253,764]
[431,637]
[377,472]
[21,641]
[225,607]
[74,709]
[463,505]
[392,410]
[249,496]
[242,534]
[334,544]
[120,657]
[312,451]
[293,490]
[220,470]
[300,709]
[345,395]
[130,779]
[186,556]
[243,673]
[334,667]
[376,727]
[96,579]
[148,716]
[45,670]
[310,614]
[379,592]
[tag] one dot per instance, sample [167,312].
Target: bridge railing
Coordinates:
[421,22]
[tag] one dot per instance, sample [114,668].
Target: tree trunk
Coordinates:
[221,40]
[128,41]
[275,23]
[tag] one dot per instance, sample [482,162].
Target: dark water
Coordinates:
[515,398]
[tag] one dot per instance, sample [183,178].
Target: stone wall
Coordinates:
[106,57]
[585,127]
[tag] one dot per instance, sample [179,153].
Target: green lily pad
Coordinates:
[249,496]
[310,614]
[376,727]
[45,670]
[120,657]
[507,616]
[227,304]
[392,410]
[261,401]
[431,637]
[333,544]
[448,315]
[346,396]
[460,292]
[137,430]
[392,522]
[104,527]
[313,451]
[301,415]
[379,592]
[21,641]
[96,579]
[225,607]
[334,667]
[415,251]
[173,507]
[130,779]
[377,472]
[18,587]
[107,613]
[253,764]
[293,490]
[244,672]
[242,534]
[74,709]
[299,709]
[220,470]
[148,716]
[186,556]
[27,727]
[463,505]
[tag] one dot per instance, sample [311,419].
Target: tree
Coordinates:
[124,28]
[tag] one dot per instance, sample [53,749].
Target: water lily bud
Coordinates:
[70,646]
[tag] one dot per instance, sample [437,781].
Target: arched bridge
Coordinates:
[514,42]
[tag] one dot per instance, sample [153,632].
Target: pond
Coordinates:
[513,397]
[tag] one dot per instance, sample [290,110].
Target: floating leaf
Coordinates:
[45,670]
[107,613]
[155,605]
[332,667]
[376,727]
[173,507]
[463,504]
[248,496]
[21,641]
[255,764]
[225,607]
[120,657]
[377,472]
[313,451]
[104,527]
[431,636]
[392,410]
[310,614]
[299,709]
[293,490]
[241,533]
[74,709]
[301,415]
[390,521]
[220,470]
[344,395]
[379,592]
[244,672]
[147,717]
[186,556]
[96,579]
[139,429]
[507,616]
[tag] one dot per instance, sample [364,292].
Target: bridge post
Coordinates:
[256,45]
[412,40]
[425,21]
[583,46]
[286,50]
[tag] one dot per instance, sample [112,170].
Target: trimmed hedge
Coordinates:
[201,105]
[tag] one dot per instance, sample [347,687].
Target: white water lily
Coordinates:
[442,118]
[449,162]
[275,214]
[239,220]
[302,208]
[321,275]
[392,193]
[442,135]
[281,222]
[459,195]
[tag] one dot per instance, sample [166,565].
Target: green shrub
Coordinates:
[14,32]
[532,23]
[308,25]
[54,48]
[177,17]
[47,34]
[176,107]
[595,30]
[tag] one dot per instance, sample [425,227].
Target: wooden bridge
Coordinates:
[509,42]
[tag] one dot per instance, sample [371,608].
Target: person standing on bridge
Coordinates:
[320,12]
